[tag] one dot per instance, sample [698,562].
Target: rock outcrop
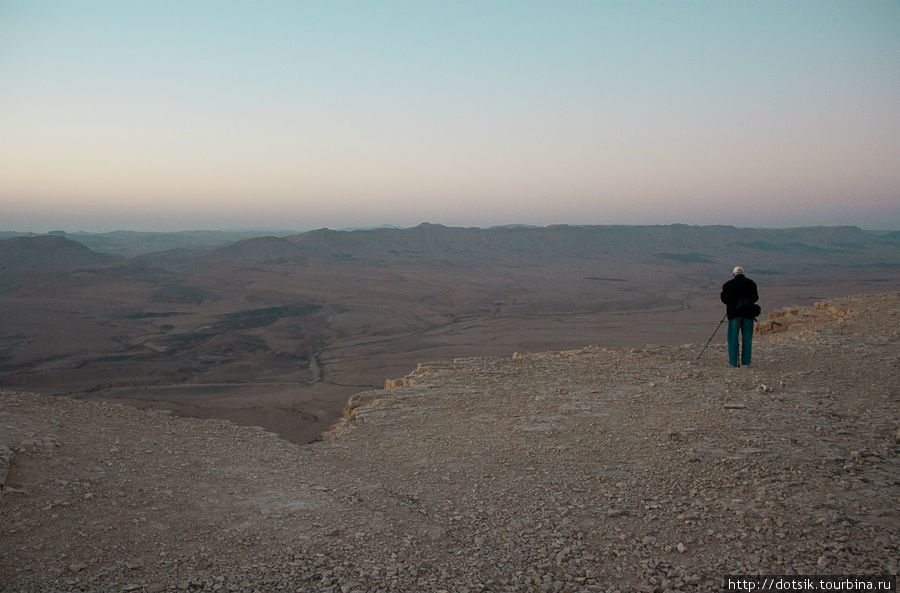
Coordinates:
[591,470]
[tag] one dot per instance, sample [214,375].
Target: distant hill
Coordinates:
[130,243]
[260,250]
[133,243]
[47,252]
[438,244]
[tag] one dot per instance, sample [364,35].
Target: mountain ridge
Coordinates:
[48,252]
[579,241]
[347,244]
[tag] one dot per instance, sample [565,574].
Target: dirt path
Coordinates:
[598,469]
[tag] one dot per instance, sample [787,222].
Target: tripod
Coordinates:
[712,336]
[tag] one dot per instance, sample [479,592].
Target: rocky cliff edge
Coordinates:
[589,470]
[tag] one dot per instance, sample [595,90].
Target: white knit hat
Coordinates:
[737,270]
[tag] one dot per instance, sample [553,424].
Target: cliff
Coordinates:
[596,469]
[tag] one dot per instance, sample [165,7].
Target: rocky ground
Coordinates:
[589,470]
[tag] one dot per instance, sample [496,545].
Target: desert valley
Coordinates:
[592,470]
[279,331]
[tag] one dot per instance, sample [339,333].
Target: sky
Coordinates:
[176,115]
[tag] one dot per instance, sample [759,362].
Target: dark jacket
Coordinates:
[739,294]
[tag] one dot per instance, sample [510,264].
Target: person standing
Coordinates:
[740,295]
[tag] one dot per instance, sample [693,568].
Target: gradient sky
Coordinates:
[157,115]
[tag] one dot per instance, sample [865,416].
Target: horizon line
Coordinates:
[289,231]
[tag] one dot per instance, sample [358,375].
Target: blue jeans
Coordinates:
[744,327]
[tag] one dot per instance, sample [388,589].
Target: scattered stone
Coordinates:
[435,486]
[5,461]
